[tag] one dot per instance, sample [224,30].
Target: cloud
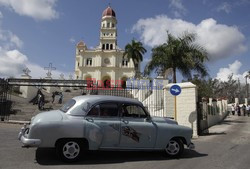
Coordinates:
[9,40]
[225,7]
[11,62]
[219,40]
[231,69]
[72,40]
[178,8]
[37,9]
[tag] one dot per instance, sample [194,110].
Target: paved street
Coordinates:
[227,146]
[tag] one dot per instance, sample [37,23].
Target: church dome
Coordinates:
[81,43]
[108,12]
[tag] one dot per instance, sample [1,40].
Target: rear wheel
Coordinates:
[69,150]
[174,148]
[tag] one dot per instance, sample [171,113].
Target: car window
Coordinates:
[133,111]
[95,111]
[68,105]
[104,110]
[108,109]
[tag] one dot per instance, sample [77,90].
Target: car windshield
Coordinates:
[68,105]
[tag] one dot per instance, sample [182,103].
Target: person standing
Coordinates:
[248,110]
[60,98]
[233,109]
[53,97]
[244,110]
[238,109]
[40,99]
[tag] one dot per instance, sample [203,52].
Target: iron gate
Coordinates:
[5,101]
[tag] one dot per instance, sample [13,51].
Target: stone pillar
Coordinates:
[186,105]
[246,101]
[236,100]
[28,92]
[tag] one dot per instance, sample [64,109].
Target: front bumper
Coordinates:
[27,142]
[191,146]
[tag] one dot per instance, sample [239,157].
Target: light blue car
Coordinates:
[97,122]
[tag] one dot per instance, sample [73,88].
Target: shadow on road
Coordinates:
[213,134]
[48,157]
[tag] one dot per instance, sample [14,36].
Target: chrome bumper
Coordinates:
[191,146]
[26,141]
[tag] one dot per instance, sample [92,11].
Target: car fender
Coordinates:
[168,131]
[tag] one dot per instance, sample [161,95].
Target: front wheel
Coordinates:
[174,148]
[69,150]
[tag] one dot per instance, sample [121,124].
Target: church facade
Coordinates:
[106,61]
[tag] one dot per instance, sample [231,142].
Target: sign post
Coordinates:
[175,90]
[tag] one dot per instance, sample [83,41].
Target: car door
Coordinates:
[105,116]
[137,131]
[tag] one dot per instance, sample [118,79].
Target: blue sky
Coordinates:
[34,33]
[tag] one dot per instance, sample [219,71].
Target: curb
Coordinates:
[15,122]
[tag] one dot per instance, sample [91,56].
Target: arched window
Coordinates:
[103,46]
[107,46]
[125,62]
[111,46]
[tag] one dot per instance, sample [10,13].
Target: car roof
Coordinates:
[99,98]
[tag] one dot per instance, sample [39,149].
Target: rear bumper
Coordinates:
[27,142]
[191,146]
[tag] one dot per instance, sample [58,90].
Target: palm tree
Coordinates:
[180,54]
[135,51]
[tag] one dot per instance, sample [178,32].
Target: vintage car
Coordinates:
[97,122]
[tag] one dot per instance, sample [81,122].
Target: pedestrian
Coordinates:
[40,100]
[233,109]
[60,98]
[244,110]
[238,109]
[53,97]
[248,110]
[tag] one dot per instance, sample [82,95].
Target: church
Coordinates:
[106,61]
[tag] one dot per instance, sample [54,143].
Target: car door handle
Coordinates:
[90,119]
[125,121]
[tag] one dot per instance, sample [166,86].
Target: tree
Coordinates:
[214,88]
[135,51]
[179,54]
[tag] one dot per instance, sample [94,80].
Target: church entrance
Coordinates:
[106,80]
[123,82]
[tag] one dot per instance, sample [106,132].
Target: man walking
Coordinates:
[233,109]
[248,110]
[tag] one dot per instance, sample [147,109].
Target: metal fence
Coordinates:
[150,96]
[5,100]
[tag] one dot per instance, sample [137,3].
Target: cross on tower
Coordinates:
[26,71]
[62,76]
[70,77]
[50,68]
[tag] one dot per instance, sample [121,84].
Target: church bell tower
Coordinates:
[108,33]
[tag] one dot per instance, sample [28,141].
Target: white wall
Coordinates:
[217,111]
[185,104]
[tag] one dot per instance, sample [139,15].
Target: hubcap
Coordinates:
[173,147]
[71,150]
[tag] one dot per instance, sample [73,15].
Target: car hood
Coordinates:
[55,115]
[163,120]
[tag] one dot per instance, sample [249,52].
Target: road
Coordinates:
[227,146]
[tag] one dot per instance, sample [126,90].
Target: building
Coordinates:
[106,61]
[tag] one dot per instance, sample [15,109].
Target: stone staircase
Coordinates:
[23,110]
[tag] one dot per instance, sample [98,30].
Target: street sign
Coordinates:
[175,90]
